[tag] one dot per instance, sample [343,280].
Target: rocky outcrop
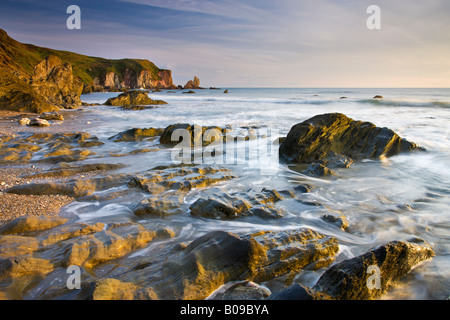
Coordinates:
[168,187]
[54,80]
[333,140]
[193,84]
[216,258]
[53,147]
[133,98]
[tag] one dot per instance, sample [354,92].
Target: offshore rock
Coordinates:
[136,134]
[133,98]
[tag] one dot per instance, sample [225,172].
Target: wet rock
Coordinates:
[349,279]
[53,116]
[324,137]
[168,187]
[27,224]
[75,188]
[245,290]
[136,107]
[340,221]
[38,122]
[318,170]
[210,261]
[113,289]
[229,206]
[378,97]
[189,92]
[298,292]
[133,98]
[136,134]
[31,265]
[65,170]
[303,188]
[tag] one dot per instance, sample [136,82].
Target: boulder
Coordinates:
[53,116]
[352,279]
[221,205]
[334,140]
[133,98]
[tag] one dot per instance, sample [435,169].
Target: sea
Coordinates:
[403,197]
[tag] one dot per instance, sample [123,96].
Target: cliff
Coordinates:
[40,79]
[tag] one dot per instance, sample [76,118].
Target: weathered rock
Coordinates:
[199,136]
[210,261]
[192,84]
[340,221]
[328,137]
[351,279]
[133,98]
[136,134]
[65,170]
[169,186]
[113,289]
[74,188]
[318,170]
[27,224]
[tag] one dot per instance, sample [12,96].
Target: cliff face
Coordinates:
[39,79]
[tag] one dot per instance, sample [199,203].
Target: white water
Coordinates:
[399,198]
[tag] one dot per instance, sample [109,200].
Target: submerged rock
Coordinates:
[334,140]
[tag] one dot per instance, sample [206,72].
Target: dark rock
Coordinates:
[190,91]
[340,221]
[38,122]
[229,206]
[325,137]
[303,188]
[226,91]
[348,280]
[318,170]
[378,97]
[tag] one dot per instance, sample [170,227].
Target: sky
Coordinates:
[258,43]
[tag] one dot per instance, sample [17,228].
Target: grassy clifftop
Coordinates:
[25,57]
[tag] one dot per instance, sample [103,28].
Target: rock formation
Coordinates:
[193,84]
[333,140]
